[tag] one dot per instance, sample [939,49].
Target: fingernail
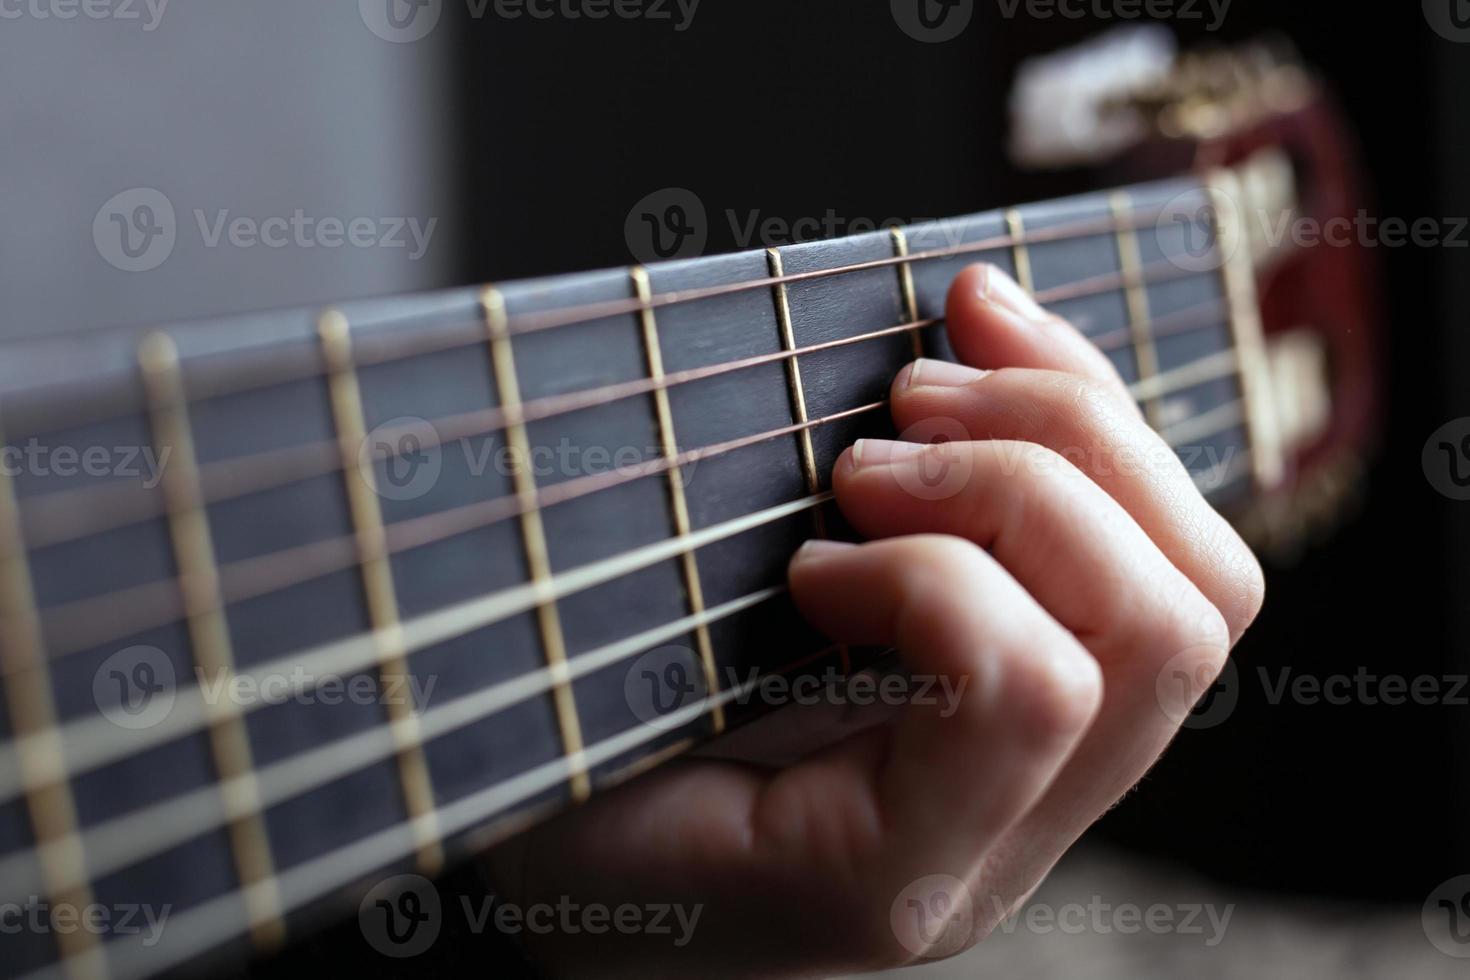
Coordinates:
[938,374]
[875,452]
[1003,291]
[817,549]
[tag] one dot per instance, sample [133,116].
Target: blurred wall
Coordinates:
[271,109]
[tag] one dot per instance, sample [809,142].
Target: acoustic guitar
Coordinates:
[294,601]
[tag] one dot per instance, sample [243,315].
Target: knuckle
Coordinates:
[1092,405]
[1055,688]
[1193,623]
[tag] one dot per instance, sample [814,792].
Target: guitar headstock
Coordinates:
[1135,109]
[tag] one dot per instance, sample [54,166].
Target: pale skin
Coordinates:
[1059,580]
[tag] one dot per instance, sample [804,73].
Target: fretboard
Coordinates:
[293,600]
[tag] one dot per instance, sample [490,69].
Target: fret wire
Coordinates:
[97,741]
[253,577]
[906,287]
[119,842]
[214,921]
[793,378]
[1021,257]
[467,425]
[1130,262]
[798,399]
[123,840]
[379,592]
[76,513]
[1238,280]
[678,504]
[533,534]
[209,635]
[40,751]
[381,350]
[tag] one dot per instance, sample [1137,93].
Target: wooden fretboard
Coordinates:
[290,600]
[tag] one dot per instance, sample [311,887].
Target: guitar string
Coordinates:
[69,515]
[86,623]
[98,742]
[625,750]
[217,919]
[136,836]
[95,740]
[376,349]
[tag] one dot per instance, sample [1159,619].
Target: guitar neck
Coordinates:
[289,600]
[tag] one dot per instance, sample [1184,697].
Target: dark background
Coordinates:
[791,109]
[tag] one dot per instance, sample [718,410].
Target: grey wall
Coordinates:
[257,108]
